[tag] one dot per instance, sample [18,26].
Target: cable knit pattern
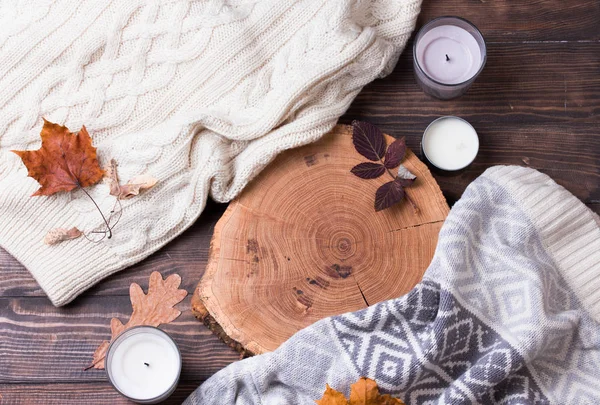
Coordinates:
[200,94]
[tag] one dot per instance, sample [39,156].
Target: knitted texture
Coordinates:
[505,314]
[200,94]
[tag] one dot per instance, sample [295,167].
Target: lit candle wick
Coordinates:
[447,58]
[147,365]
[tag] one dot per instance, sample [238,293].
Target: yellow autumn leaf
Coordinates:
[363,392]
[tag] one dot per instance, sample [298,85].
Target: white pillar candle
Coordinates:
[450,143]
[449,53]
[144,363]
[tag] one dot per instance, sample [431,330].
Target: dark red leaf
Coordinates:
[368,140]
[395,153]
[388,194]
[368,170]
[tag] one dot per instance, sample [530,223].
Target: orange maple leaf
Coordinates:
[150,309]
[64,162]
[363,392]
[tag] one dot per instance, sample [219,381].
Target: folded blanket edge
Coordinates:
[570,231]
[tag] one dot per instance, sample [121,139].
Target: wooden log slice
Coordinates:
[303,242]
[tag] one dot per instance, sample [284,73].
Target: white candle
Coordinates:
[450,143]
[449,54]
[144,363]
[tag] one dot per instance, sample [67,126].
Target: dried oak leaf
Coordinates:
[137,184]
[111,178]
[133,186]
[150,309]
[58,235]
[363,392]
[64,162]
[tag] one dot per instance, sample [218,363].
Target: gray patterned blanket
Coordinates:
[507,313]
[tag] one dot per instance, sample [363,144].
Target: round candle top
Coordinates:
[450,143]
[144,365]
[449,54]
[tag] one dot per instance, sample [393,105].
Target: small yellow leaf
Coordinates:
[332,397]
[363,392]
[137,184]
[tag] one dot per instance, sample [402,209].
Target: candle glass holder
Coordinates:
[436,88]
[146,331]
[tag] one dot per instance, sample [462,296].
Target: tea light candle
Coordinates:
[143,364]
[450,143]
[448,54]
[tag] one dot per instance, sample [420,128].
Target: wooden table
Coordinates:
[537,103]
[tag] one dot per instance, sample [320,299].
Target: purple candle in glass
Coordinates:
[448,55]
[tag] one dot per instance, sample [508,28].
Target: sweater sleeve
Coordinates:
[200,95]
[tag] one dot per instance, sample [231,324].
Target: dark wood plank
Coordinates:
[77,394]
[43,344]
[537,103]
[528,106]
[523,20]
[521,83]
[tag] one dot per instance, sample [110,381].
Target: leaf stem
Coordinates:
[100,211]
[414,206]
[390,173]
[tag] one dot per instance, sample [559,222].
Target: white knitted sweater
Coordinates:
[200,94]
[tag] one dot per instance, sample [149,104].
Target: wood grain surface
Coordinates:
[537,103]
[294,249]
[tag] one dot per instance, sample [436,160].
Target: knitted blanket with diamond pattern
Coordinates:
[507,313]
[199,94]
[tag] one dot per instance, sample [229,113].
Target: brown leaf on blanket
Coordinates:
[58,235]
[64,162]
[152,309]
[137,184]
[363,392]
[133,186]
[112,178]
[332,397]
